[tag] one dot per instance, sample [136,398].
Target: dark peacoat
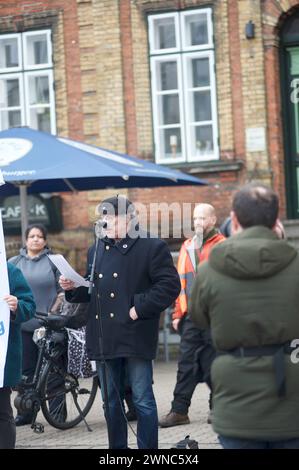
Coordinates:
[134,272]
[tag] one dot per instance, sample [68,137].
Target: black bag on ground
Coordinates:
[186,443]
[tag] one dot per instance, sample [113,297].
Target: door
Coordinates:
[290,107]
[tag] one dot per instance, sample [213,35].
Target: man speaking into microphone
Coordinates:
[134,281]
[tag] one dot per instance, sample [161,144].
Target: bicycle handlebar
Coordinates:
[54,322]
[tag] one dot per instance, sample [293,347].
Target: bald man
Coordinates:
[193,341]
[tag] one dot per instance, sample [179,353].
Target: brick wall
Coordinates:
[103,91]
[62,18]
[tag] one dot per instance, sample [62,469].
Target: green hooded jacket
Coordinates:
[248,293]
[26,308]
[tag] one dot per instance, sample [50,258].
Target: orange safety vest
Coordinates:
[189,258]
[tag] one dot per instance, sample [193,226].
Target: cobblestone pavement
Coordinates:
[79,437]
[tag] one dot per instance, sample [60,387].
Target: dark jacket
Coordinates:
[134,272]
[248,292]
[26,309]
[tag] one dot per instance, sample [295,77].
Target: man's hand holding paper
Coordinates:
[68,273]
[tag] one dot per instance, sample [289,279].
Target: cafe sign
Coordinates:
[41,210]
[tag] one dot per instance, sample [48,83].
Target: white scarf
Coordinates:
[195,244]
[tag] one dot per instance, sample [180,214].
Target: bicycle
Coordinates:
[63,398]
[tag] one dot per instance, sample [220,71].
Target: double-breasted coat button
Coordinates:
[125,246]
[100,276]
[112,295]
[115,274]
[97,317]
[111,315]
[107,247]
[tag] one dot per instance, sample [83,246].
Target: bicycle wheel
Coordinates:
[62,395]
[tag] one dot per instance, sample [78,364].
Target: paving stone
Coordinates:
[80,438]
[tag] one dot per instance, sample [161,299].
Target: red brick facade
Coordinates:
[235,166]
[128,77]
[237,101]
[22,15]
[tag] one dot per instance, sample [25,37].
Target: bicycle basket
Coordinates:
[78,363]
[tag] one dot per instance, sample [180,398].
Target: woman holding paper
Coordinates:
[42,277]
[22,307]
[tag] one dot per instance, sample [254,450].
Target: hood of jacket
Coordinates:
[44,252]
[254,253]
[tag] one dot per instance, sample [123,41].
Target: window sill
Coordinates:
[215,166]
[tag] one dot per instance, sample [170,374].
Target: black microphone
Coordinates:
[101,223]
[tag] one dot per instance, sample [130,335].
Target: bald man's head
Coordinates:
[204,218]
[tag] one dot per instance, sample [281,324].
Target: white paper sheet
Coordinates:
[67,271]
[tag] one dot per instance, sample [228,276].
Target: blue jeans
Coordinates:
[233,443]
[140,375]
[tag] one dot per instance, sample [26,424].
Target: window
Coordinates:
[26,81]
[183,86]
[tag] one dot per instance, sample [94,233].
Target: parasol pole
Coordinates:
[24,210]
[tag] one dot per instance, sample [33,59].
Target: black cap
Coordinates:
[116,205]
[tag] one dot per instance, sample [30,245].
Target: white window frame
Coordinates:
[202,11]
[40,73]
[13,69]
[21,108]
[25,71]
[152,20]
[156,94]
[213,121]
[183,52]
[28,34]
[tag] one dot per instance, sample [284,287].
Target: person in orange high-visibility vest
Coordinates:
[193,341]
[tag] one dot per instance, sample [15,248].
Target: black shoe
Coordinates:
[22,420]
